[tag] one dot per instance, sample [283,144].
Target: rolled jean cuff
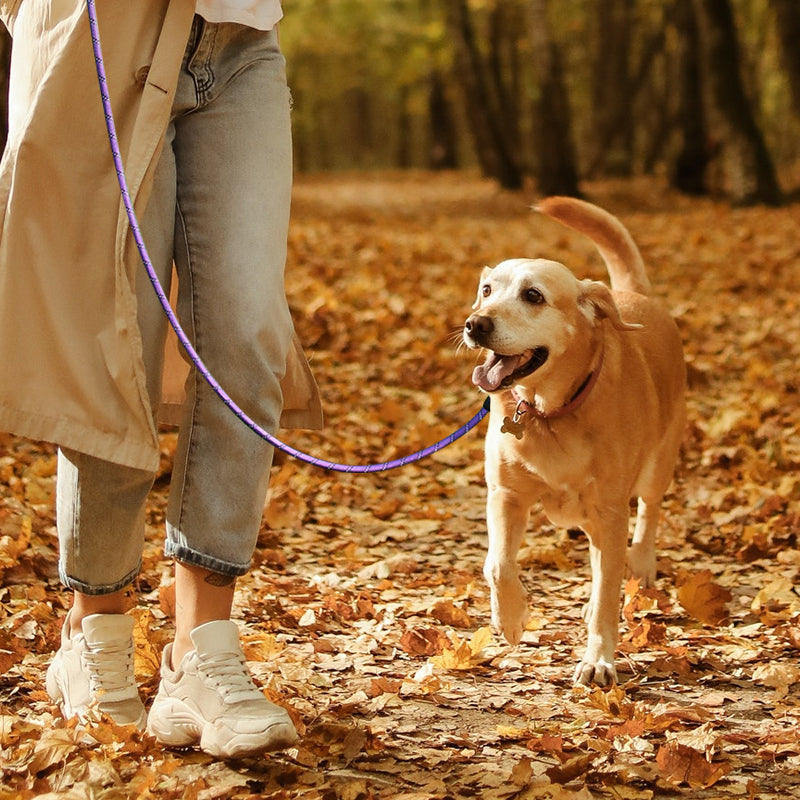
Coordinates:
[106,588]
[184,554]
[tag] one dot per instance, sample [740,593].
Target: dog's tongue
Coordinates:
[489,375]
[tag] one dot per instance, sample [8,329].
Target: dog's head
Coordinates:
[528,312]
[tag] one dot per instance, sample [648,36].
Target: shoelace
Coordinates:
[110,668]
[228,674]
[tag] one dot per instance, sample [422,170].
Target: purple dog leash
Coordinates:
[184,340]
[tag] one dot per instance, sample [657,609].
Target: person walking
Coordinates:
[202,109]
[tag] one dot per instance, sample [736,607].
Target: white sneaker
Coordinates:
[94,669]
[211,700]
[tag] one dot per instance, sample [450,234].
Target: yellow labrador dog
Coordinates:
[587,412]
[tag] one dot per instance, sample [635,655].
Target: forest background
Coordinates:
[425,130]
[704,92]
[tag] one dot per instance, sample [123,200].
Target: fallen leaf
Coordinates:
[681,765]
[780,677]
[449,614]
[703,598]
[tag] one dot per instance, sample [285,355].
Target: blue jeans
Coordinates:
[220,210]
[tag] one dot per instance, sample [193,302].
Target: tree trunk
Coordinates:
[504,69]
[623,115]
[747,169]
[688,172]
[403,156]
[360,126]
[612,122]
[556,171]
[787,22]
[443,136]
[485,114]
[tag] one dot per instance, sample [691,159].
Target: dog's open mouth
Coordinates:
[500,372]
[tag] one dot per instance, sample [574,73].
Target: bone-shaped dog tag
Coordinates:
[513,426]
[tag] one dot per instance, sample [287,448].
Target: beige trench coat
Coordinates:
[71,370]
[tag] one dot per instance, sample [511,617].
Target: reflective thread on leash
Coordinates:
[183,338]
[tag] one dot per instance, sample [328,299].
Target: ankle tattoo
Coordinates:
[219,580]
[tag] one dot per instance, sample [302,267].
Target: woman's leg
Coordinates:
[101,505]
[101,522]
[234,170]
[233,156]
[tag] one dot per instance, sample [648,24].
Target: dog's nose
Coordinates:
[478,327]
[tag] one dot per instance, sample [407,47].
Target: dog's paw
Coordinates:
[510,611]
[600,673]
[512,629]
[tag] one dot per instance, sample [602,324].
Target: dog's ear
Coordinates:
[484,274]
[599,296]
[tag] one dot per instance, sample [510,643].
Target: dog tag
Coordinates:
[513,426]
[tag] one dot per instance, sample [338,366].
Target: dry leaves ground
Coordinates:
[366,613]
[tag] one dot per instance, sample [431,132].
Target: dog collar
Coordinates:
[514,424]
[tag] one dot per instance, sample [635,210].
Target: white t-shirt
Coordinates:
[261,14]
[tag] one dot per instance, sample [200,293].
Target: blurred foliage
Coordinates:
[353,65]
[361,71]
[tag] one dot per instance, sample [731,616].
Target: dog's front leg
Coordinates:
[607,553]
[507,518]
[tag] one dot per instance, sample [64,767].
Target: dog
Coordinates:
[587,389]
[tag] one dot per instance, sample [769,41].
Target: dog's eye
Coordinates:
[533,296]
[486,290]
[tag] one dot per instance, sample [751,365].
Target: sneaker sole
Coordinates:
[175,724]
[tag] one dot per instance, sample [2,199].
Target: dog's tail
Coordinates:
[610,236]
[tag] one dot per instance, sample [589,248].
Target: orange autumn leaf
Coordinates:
[261,647]
[682,765]
[456,655]
[611,699]
[459,654]
[641,600]
[646,635]
[148,646]
[285,508]
[703,598]
[422,641]
[450,614]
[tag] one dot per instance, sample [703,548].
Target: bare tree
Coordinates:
[617,83]
[688,171]
[556,171]
[747,169]
[612,122]
[489,121]
[443,151]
